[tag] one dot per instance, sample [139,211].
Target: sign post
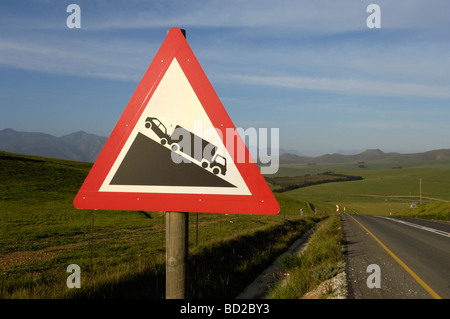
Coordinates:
[177,243]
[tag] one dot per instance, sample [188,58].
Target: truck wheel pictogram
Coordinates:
[175,147]
[210,158]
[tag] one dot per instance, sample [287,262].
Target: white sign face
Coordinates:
[174,147]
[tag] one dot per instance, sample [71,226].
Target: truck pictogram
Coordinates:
[207,156]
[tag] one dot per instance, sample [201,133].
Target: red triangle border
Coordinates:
[261,200]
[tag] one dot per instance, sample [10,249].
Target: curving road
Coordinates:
[413,257]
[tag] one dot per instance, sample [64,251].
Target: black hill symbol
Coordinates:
[148,163]
[189,144]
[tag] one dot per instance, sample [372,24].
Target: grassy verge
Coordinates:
[237,262]
[437,211]
[321,261]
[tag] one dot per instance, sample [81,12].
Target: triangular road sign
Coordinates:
[175,148]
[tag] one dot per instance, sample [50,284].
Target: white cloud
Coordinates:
[88,57]
[312,63]
[351,86]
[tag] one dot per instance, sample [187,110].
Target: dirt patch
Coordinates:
[20,258]
[259,287]
[334,288]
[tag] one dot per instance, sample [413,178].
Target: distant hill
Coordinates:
[368,155]
[82,146]
[79,146]
[288,158]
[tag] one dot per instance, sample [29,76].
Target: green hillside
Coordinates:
[384,189]
[121,253]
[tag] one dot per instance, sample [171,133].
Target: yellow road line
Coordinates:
[412,273]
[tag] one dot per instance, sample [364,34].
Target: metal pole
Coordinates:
[420,191]
[176,254]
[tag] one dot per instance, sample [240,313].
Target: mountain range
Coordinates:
[368,155]
[78,146]
[82,146]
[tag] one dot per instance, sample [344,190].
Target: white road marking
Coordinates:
[436,231]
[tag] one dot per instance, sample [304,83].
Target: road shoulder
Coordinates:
[361,251]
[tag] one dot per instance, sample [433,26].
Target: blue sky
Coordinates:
[313,69]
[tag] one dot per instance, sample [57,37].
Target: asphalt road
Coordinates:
[413,257]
